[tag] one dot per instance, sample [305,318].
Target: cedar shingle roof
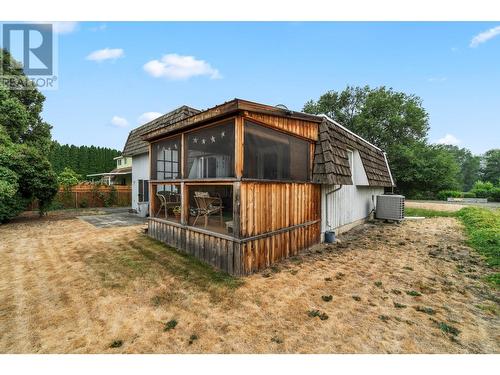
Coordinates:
[135,145]
[331,163]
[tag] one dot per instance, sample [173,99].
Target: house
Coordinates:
[121,175]
[138,151]
[243,185]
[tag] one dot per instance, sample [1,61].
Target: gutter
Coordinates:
[388,169]
[326,204]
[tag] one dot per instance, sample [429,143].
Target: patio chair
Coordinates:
[206,206]
[168,200]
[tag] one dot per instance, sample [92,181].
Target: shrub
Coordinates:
[444,194]
[484,189]
[469,194]
[84,203]
[112,198]
[495,194]
[68,177]
[29,172]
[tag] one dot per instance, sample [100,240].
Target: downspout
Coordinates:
[326,204]
[389,170]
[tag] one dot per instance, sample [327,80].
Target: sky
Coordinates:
[114,76]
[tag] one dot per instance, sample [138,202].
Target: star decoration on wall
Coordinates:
[222,134]
[195,140]
[203,141]
[175,146]
[212,139]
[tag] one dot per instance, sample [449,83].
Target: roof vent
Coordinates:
[284,108]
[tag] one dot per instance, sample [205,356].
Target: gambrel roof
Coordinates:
[135,145]
[331,163]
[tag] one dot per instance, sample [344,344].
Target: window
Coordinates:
[143,190]
[210,152]
[119,162]
[273,155]
[350,157]
[165,159]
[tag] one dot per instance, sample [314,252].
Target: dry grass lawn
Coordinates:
[67,287]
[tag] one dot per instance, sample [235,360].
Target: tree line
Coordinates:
[399,124]
[83,160]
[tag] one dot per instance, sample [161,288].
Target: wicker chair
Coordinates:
[168,200]
[206,206]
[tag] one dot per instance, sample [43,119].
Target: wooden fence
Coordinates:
[91,195]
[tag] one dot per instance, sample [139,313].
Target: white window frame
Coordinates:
[350,157]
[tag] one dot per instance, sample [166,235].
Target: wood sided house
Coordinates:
[243,185]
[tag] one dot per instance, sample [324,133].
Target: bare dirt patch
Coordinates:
[66,286]
[438,206]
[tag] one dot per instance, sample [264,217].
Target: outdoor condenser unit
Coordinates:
[390,207]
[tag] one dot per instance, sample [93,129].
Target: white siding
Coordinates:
[359,177]
[140,171]
[347,205]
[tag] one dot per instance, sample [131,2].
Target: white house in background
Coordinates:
[121,175]
[138,151]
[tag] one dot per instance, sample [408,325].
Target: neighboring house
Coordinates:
[243,185]
[121,175]
[138,150]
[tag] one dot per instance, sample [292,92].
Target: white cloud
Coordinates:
[64,27]
[449,139]
[177,67]
[105,54]
[436,79]
[119,122]
[484,36]
[147,117]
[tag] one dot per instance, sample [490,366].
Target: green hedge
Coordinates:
[444,194]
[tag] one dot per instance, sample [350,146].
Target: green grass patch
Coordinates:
[413,293]
[446,328]
[429,213]
[427,310]
[143,258]
[192,339]
[116,344]
[171,324]
[317,313]
[483,231]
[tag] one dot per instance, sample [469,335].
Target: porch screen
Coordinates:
[165,159]
[273,155]
[210,152]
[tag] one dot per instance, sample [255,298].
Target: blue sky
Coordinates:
[112,73]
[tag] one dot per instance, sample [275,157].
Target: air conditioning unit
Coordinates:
[390,207]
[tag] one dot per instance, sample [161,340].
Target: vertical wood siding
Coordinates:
[306,129]
[221,253]
[261,253]
[267,207]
